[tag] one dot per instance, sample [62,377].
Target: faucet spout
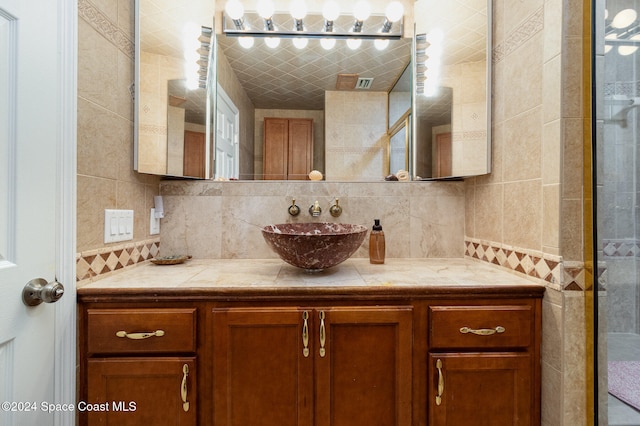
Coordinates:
[315,209]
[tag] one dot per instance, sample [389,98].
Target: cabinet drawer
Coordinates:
[482,327]
[141,331]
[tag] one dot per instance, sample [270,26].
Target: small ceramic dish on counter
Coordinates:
[170,260]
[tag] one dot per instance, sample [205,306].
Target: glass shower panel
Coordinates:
[618,210]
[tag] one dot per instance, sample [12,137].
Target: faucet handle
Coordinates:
[335,209]
[315,209]
[294,210]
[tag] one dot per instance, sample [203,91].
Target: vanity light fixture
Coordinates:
[393,13]
[300,43]
[330,12]
[328,43]
[361,12]
[266,22]
[624,18]
[235,10]
[622,31]
[298,12]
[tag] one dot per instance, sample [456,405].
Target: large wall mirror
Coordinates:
[366,120]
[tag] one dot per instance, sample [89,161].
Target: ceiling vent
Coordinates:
[346,81]
[364,83]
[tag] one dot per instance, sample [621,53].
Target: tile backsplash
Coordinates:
[222,220]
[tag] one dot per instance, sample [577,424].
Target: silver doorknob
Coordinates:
[39,290]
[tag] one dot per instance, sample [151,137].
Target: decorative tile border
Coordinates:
[93,263]
[622,248]
[533,25]
[101,23]
[550,269]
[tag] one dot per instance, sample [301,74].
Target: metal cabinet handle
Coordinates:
[183,387]
[440,382]
[305,334]
[140,336]
[483,331]
[323,336]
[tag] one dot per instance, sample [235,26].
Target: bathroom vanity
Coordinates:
[259,342]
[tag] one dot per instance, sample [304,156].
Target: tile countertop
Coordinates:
[255,277]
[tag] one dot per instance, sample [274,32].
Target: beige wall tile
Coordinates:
[552,152]
[489,212]
[94,195]
[523,77]
[523,146]
[551,219]
[516,12]
[552,89]
[523,214]
[553,28]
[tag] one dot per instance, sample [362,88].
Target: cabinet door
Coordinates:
[261,376]
[276,148]
[141,391]
[480,389]
[300,148]
[363,376]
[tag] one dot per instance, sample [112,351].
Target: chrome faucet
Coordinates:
[315,209]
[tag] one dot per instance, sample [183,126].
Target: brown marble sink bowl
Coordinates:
[314,246]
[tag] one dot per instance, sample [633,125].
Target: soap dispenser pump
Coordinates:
[376,243]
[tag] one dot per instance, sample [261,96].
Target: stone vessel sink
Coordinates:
[314,246]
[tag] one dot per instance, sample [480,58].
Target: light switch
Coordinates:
[118,225]
[154,223]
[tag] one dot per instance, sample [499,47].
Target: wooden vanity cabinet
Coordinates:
[305,358]
[139,366]
[312,366]
[484,364]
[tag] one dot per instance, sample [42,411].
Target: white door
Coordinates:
[37,214]
[227,137]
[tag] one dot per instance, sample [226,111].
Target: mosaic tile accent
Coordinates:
[548,268]
[90,13]
[93,263]
[615,249]
[533,25]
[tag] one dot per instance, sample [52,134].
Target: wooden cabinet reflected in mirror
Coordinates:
[288,148]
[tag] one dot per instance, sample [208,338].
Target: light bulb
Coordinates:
[394,11]
[354,43]
[300,42]
[272,42]
[624,18]
[328,43]
[628,50]
[331,10]
[246,42]
[234,9]
[361,11]
[298,9]
[265,9]
[381,43]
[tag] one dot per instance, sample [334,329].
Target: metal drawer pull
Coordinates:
[305,334]
[483,331]
[140,336]
[323,336]
[183,387]
[440,382]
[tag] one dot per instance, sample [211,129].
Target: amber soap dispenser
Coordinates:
[376,243]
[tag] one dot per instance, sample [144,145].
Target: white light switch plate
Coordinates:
[118,225]
[154,223]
